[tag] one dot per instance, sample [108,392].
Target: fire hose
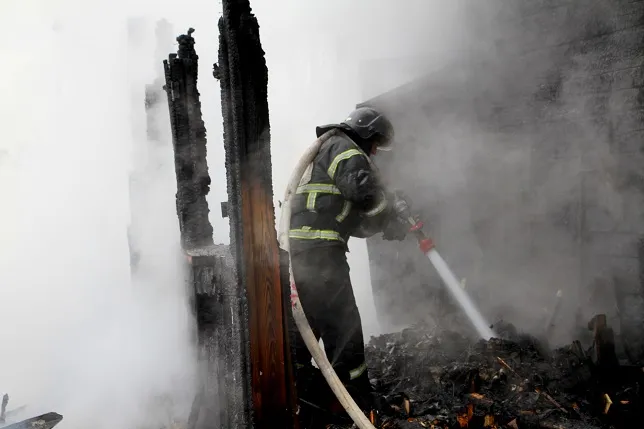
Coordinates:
[301,322]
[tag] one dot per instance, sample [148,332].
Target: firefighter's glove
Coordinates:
[402,206]
[395,230]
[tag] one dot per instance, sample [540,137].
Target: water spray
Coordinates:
[453,285]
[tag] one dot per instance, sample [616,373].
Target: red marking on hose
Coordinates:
[294,295]
[426,245]
[419,225]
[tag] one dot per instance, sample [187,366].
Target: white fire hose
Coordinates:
[301,322]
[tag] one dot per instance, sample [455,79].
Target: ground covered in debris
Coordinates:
[449,381]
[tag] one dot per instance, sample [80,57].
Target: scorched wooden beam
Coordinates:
[244,80]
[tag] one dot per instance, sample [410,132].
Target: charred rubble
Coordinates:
[447,380]
[43,421]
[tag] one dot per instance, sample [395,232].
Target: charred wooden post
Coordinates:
[189,142]
[550,325]
[603,351]
[220,399]
[244,80]
[290,334]
[3,411]
[212,279]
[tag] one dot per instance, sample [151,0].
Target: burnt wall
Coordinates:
[526,159]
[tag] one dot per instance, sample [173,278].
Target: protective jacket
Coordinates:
[340,195]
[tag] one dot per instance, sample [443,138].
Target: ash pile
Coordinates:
[449,381]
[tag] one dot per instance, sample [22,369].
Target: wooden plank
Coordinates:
[290,330]
[244,89]
[268,377]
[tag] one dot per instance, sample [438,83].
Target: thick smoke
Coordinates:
[80,336]
[508,153]
[324,59]
[83,339]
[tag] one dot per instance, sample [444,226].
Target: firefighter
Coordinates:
[340,195]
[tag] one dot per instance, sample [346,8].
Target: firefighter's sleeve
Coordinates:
[353,176]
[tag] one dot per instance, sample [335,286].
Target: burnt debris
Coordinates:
[189,141]
[449,381]
[44,421]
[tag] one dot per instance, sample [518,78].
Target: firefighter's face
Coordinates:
[379,142]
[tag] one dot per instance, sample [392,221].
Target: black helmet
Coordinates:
[366,123]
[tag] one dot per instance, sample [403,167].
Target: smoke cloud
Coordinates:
[82,338]
[508,153]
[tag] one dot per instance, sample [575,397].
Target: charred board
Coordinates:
[189,142]
[219,402]
[243,77]
[44,421]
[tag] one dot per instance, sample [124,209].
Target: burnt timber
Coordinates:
[221,399]
[189,143]
[243,77]
[239,290]
[44,421]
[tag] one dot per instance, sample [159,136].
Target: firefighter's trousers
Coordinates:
[324,287]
